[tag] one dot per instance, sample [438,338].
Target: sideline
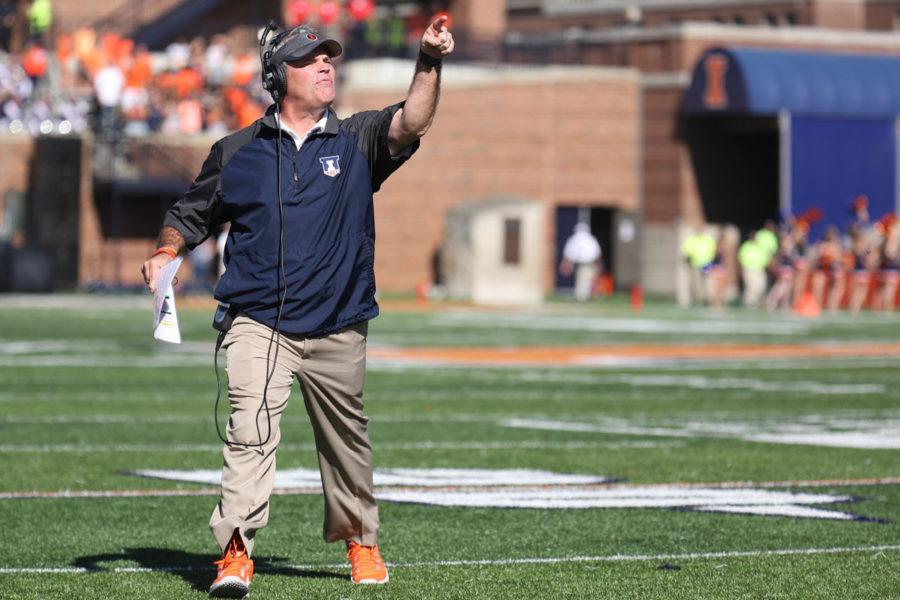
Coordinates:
[484,562]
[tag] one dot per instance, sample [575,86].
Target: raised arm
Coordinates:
[413,120]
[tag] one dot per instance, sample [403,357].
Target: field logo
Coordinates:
[331,165]
[715,95]
[521,488]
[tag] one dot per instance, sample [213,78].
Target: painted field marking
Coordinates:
[442,478]
[623,353]
[528,488]
[387,361]
[474,563]
[399,446]
[758,385]
[533,322]
[872,434]
[317,489]
[779,364]
[635,355]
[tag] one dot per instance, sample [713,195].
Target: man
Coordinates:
[753,258]
[299,271]
[581,254]
[699,249]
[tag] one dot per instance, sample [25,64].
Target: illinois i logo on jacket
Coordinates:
[331,165]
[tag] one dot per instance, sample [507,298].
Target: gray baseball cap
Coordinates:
[299,42]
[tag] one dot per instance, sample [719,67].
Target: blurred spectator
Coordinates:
[890,266]
[190,115]
[35,63]
[581,254]
[828,267]
[40,18]
[7,20]
[109,84]
[699,249]
[162,91]
[135,110]
[865,262]
[753,258]
[177,55]
[218,61]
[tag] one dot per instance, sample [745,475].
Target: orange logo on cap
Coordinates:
[715,96]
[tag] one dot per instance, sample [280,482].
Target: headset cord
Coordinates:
[282,292]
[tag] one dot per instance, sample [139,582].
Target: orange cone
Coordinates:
[807,306]
[637,298]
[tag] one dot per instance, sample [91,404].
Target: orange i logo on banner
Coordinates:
[715,96]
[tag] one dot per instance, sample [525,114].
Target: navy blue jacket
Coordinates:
[329,228]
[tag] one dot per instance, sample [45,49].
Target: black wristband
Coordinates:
[429,61]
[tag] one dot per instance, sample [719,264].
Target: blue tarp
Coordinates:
[765,82]
[842,111]
[835,160]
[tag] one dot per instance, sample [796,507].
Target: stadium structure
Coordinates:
[648,115]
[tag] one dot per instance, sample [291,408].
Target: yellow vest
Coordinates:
[753,256]
[700,249]
[40,16]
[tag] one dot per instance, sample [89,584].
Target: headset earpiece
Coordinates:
[270,78]
[274,77]
[279,81]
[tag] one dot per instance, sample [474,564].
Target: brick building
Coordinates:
[584,113]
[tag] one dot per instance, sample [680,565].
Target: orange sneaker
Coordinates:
[367,564]
[235,571]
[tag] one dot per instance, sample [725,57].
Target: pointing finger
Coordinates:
[439,24]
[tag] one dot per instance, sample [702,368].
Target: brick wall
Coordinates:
[558,141]
[15,162]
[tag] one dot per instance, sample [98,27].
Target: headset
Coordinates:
[274,81]
[274,77]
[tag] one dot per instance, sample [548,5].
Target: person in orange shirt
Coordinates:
[141,72]
[190,115]
[35,62]
[248,113]
[186,82]
[246,69]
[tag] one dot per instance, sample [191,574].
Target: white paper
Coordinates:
[165,319]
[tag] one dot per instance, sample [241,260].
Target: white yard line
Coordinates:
[479,563]
[533,322]
[524,445]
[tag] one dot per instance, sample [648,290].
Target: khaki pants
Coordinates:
[331,372]
[585,275]
[754,286]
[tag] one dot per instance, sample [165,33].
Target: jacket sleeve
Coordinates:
[371,128]
[199,212]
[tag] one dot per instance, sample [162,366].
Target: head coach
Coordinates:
[296,187]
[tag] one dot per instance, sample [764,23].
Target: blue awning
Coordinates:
[766,82]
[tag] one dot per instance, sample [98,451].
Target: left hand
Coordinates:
[437,41]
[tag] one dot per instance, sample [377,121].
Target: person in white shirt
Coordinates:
[581,254]
[109,85]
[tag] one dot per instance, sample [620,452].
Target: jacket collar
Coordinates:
[331,123]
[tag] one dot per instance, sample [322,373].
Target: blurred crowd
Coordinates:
[780,268]
[80,80]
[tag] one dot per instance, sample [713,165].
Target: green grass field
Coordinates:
[804,450]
